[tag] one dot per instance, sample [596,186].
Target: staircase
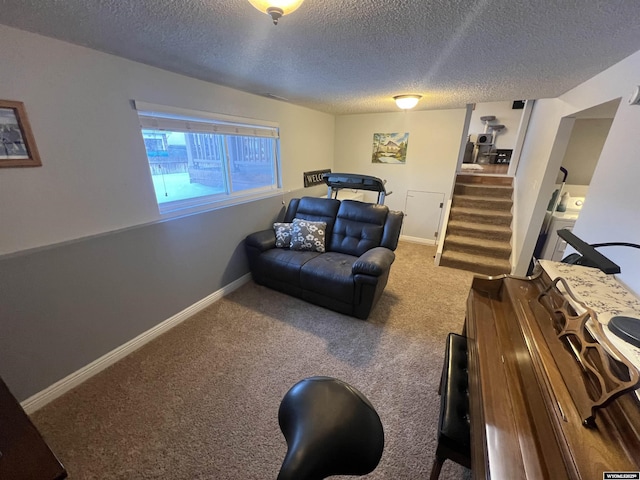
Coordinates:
[478,236]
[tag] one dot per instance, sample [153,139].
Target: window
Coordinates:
[198,159]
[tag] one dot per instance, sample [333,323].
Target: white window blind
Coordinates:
[160,117]
[184,125]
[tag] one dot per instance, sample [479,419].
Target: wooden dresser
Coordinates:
[547,401]
[24,455]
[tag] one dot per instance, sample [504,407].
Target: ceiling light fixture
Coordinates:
[276,8]
[407,102]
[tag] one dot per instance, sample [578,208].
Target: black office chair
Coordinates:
[330,428]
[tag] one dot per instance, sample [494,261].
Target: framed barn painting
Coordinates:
[390,148]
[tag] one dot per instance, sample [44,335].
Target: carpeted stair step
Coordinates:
[484,190]
[484,179]
[479,230]
[486,203]
[474,263]
[479,215]
[488,248]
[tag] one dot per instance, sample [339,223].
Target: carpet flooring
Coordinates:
[201,401]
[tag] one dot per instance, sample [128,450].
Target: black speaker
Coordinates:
[517,105]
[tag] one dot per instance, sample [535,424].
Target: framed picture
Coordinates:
[17,145]
[390,148]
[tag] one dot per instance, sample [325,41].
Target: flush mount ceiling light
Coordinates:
[276,8]
[407,102]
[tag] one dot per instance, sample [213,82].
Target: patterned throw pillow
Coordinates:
[307,235]
[283,234]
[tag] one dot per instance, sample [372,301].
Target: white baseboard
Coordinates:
[52,392]
[422,241]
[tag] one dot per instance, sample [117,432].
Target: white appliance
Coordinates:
[555,246]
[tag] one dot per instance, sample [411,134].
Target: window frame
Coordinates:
[196,121]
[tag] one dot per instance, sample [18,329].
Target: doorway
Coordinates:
[584,134]
[492,140]
[423,214]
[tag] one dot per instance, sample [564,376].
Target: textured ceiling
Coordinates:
[352,56]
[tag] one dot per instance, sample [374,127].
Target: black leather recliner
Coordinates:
[351,274]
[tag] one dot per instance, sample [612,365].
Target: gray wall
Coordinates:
[66,305]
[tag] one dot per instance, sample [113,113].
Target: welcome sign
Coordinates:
[314,177]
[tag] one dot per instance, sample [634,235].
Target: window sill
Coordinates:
[174,211]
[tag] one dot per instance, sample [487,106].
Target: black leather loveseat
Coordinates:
[349,273]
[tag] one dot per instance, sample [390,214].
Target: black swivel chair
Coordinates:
[330,428]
